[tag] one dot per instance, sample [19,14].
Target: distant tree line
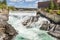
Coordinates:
[54,7]
[3,4]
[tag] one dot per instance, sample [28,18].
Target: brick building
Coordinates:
[47,3]
[43,4]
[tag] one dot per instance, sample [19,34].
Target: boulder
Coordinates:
[45,26]
[30,20]
[11,30]
[4,14]
[52,17]
[53,29]
[56,32]
[4,17]
[7,32]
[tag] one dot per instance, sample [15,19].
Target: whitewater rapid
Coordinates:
[24,33]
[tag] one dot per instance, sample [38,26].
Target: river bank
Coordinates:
[32,30]
[54,26]
[7,32]
[54,18]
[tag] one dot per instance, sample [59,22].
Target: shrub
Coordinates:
[58,12]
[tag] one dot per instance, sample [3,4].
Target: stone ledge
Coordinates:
[7,32]
[4,14]
[52,17]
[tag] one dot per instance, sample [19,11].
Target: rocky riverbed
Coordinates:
[52,17]
[7,32]
[53,29]
[28,27]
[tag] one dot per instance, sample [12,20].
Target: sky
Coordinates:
[1,0]
[23,3]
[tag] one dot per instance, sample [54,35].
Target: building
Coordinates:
[47,3]
[43,4]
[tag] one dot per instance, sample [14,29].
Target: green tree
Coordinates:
[11,8]
[51,4]
[4,1]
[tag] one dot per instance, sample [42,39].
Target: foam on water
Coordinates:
[33,33]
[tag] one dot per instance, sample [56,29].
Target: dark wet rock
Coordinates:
[45,26]
[30,20]
[7,32]
[57,28]
[52,17]
[58,39]
[50,27]
[55,32]
[11,30]
[53,29]
[26,22]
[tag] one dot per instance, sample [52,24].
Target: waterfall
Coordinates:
[28,27]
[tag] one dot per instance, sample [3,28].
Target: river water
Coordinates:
[33,31]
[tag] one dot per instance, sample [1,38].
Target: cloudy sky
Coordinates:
[24,3]
[1,0]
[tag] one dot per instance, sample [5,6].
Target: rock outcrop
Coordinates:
[7,32]
[4,14]
[52,17]
[53,29]
[55,32]
[30,20]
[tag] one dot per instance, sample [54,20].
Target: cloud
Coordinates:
[1,0]
[43,0]
[36,2]
[26,4]
[29,0]
[15,0]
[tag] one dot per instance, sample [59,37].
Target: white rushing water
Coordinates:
[24,33]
